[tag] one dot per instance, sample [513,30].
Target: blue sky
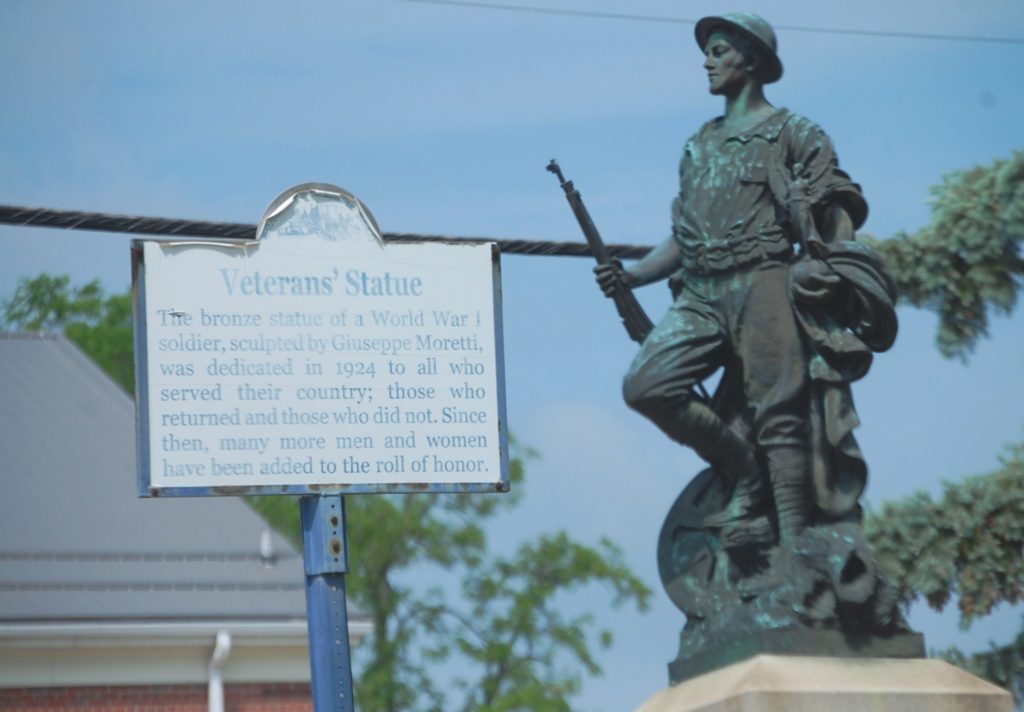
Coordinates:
[441,120]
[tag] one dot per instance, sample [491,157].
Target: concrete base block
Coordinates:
[775,683]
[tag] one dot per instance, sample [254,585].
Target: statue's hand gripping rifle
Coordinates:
[638,326]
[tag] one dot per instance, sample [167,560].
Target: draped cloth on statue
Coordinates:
[841,340]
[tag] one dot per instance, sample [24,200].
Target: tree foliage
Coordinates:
[100,323]
[968,544]
[500,618]
[518,656]
[1002,665]
[966,263]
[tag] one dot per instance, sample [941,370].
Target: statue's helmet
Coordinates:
[753,28]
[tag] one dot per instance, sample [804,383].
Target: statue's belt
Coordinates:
[700,258]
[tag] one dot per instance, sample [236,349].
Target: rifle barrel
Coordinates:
[634,319]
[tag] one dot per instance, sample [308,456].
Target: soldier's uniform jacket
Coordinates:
[728,214]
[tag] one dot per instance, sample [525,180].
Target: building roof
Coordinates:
[78,546]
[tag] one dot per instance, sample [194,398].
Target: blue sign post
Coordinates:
[325,555]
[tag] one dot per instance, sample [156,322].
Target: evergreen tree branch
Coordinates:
[966,264]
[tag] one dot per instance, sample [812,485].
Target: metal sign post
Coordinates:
[325,555]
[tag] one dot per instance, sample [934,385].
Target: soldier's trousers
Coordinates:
[739,320]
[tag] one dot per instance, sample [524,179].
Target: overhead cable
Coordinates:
[594,14]
[107,222]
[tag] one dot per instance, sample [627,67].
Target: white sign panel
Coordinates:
[318,359]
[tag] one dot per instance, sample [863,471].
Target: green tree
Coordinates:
[500,618]
[100,323]
[965,265]
[968,545]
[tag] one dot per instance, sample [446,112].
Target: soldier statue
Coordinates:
[771,287]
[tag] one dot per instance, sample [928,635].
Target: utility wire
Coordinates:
[540,10]
[107,222]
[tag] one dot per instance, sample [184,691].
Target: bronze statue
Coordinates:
[771,287]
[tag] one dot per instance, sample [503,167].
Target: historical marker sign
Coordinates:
[318,359]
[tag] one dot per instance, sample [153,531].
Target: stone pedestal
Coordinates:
[721,648]
[774,683]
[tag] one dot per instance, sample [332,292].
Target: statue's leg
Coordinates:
[775,382]
[684,348]
[730,455]
[788,471]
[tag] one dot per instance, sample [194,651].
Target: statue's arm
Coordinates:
[817,196]
[836,224]
[656,265]
[824,204]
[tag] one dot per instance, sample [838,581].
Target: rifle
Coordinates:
[637,324]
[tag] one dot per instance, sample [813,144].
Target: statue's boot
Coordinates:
[789,474]
[731,457]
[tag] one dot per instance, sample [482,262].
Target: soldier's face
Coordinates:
[726,67]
